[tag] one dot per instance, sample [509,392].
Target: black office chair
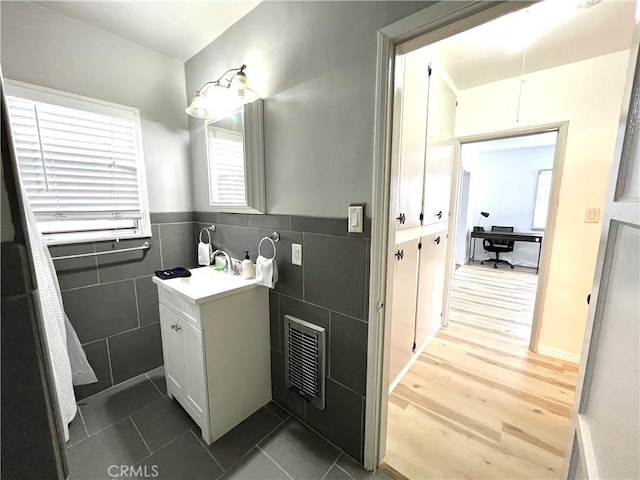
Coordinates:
[498,246]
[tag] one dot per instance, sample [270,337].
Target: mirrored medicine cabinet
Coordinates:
[235,157]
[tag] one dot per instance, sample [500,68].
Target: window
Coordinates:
[81,165]
[541,205]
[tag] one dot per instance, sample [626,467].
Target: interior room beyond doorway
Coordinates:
[506,186]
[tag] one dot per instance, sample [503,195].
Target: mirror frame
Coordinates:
[253,145]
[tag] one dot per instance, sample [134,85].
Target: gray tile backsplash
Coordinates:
[135,352]
[178,243]
[75,272]
[330,289]
[112,302]
[98,358]
[120,266]
[147,295]
[102,310]
[334,272]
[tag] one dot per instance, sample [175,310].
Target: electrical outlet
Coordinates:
[296,254]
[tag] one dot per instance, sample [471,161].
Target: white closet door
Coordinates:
[430,285]
[439,153]
[414,99]
[606,425]
[403,309]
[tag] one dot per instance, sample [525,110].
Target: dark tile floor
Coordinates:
[133,430]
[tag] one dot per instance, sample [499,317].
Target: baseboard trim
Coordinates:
[413,360]
[560,354]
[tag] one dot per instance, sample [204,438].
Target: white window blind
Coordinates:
[541,206]
[80,168]
[226,167]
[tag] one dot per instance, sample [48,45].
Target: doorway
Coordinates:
[457,21]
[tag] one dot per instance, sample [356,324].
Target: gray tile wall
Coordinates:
[330,289]
[112,302]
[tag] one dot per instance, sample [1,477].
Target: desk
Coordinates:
[515,236]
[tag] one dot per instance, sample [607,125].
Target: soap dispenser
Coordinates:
[248,270]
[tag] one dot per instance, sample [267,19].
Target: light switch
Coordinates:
[592,215]
[296,254]
[355,218]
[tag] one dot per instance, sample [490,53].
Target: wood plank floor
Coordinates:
[478,403]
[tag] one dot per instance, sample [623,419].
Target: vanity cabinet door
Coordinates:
[173,350]
[195,391]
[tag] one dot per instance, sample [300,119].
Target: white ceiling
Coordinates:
[566,34]
[179,29]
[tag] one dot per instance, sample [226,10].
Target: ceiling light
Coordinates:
[222,95]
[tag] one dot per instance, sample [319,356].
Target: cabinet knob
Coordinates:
[402,217]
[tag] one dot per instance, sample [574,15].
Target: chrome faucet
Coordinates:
[228,266]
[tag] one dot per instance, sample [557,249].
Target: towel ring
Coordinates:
[272,244]
[208,235]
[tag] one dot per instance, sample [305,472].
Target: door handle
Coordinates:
[399,254]
[402,217]
[438,214]
[437,240]
[176,327]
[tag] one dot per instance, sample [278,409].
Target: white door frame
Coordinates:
[434,23]
[545,255]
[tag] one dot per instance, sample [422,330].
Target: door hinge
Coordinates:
[421,216]
[399,254]
[419,245]
[588,299]
[429,70]
[414,346]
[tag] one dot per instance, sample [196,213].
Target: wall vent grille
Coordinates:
[304,356]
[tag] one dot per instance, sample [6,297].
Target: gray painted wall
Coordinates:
[314,64]
[51,50]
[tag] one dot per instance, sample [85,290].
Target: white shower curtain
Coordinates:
[68,360]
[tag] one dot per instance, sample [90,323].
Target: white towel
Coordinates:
[204,253]
[266,271]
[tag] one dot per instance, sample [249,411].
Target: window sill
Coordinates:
[52,241]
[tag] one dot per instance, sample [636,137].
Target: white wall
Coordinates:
[504,184]
[588,94]
[48,49]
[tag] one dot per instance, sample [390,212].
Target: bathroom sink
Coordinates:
[206,284]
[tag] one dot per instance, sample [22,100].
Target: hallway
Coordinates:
[478,403]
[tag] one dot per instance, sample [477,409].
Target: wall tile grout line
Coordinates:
[135,293]
[275,463]
[122,333]
[160,247]
[130,417]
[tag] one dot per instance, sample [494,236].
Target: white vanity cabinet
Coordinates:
[215,342]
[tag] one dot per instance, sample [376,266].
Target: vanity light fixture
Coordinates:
[222,94]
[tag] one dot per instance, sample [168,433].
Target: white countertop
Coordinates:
[206,284]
